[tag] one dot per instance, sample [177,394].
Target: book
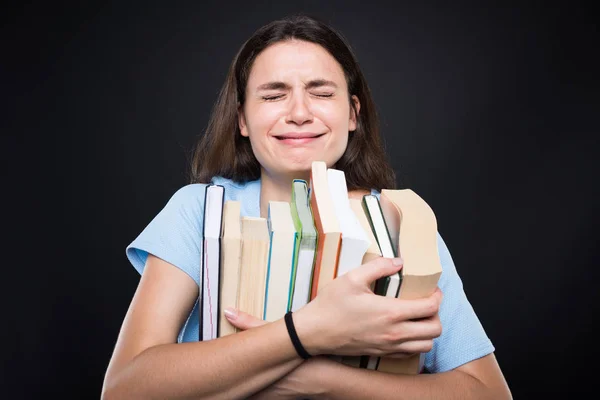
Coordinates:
[413,229]
[386,286]
[253,266]
[210,262]
[231,253]
[373,251]
[329,235]
[304,253]
[354,238]
[283,238]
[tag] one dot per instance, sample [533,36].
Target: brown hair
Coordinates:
[223,151]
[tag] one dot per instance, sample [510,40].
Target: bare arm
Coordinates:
[345,318]
[147,363]
[322,378]
[478,379]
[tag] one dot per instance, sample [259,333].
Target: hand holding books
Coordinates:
[346,318]
[322,239]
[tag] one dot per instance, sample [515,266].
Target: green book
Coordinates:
[306,245]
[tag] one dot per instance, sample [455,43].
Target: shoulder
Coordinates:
[246,192]
[191,196]
[174,234]
[448,267]
[189,193]
[234,187]
[188,198]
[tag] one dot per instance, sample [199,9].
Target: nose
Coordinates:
[300,112]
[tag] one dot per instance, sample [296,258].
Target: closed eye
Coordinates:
[278,96]
[324,95]
[272,97]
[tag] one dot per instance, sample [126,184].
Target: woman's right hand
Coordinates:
[347,318]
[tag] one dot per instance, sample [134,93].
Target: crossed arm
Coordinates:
[323,378]
[327,379]
[261,362]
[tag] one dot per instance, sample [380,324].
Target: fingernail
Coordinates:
[230,313]
[397,261]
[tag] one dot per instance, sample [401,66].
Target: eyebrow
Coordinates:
[278,85]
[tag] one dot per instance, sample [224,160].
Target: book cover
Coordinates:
[253,267]
[283,238]
[386,286]
[381,232]
[329,241]
[211,262]
[306,243]
[231,253]
[413,229]
[373,251]
[354,238]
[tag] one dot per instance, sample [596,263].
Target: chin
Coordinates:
[297,167]
[298,171]
[297,164]
[290,170]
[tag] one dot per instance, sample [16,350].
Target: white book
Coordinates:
[355,241]
[211,262]
[231,254]
[282,235]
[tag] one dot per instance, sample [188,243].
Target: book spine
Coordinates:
[319,255]
[291,286]
[266,294]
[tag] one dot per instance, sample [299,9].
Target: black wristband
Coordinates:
[289,323]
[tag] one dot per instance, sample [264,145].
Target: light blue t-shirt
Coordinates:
[175,235]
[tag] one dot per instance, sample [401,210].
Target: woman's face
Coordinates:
[297,109]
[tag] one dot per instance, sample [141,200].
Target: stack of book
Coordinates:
[269,266]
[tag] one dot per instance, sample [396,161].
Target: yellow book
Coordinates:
[253,267]
[413,229]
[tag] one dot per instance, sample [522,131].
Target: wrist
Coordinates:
[326,372]
[289,324]
[308,332]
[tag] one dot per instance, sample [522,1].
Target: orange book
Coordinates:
[329,235]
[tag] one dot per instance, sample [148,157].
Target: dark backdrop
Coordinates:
[489,113]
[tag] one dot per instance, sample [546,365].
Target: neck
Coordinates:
[276,188]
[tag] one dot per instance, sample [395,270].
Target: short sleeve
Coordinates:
[463,337]
[175,233]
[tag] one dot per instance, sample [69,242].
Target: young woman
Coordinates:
[294,94]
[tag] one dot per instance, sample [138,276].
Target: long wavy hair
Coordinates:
[223,151]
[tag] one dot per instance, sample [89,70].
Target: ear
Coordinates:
[354,111]
[242,121]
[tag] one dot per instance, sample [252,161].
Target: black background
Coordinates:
[489,113]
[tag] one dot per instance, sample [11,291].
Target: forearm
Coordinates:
[231,367]
[344,382]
